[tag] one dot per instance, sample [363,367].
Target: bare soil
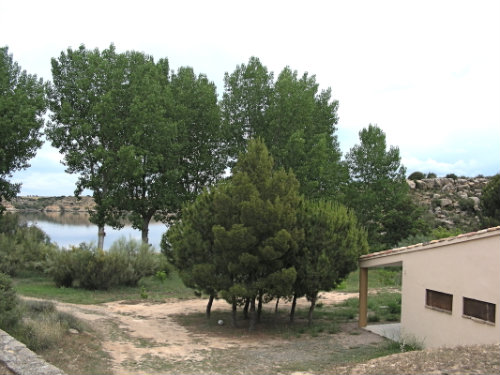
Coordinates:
[147,338]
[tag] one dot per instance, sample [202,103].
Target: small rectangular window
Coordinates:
[478,309]
[438,300]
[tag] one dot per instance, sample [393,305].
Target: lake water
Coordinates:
[67,229]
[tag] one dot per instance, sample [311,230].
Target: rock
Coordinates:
[421,185]
[220,322]
[73,331]
[448,188]
[411,184]
[476,201]
[445,202]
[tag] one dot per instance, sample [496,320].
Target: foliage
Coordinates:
[244,238]
[452,176]
[87,267]
[434,234]
[416,176]
[8,303]
[466,204]
[22,105]
[378,191]
[236,237]
[84,83]
[332,244]
[379,278]
[293,118]
[490,202]
[143,141]
[22,248]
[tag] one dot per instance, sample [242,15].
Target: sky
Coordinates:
[426,72]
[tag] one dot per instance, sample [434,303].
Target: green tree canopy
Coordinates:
[490,202]
[83,122]
[141,139]
[295,120]
[378,191]
[22,105]
[332,244]
[254,238]
[243,230]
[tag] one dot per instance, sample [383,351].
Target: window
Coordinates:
[474,308]
[438,300]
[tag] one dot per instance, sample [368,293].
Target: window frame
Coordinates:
[490,315]
[433,303]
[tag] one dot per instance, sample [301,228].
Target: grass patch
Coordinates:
[154,288]
[378,278]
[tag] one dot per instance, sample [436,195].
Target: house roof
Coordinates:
[435,243]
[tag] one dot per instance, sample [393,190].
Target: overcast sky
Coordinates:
[426,72]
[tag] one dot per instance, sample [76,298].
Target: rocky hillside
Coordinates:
[454,203]
[50,204]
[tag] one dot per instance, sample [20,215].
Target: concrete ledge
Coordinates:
[22,361]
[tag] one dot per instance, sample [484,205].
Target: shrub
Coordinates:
[22,248]
[452,175]
[8,303]
[87,267]
[416,176]
[431,175]
[466,204]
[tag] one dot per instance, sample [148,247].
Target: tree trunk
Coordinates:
[145,229]
[253,315]
[245,309]
[209,305]
[276,306]
[100,237]
[259,307]
[311,310]
[292,310]
[234,323]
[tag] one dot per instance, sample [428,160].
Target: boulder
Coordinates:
[445,202]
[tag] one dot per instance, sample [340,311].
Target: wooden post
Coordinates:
[363,297]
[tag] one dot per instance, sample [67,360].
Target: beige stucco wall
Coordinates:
[464,268]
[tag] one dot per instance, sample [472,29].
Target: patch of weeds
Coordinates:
[373,318]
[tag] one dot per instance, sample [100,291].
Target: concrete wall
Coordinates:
[468,268]
[20,360]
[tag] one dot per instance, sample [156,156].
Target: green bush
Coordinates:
[416,176]
[452,175]
[466,204]
[22,248]
[87,267]
[8,303]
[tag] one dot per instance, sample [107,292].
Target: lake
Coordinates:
[67,229]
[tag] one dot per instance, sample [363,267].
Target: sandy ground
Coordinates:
[148,329]
[135,331]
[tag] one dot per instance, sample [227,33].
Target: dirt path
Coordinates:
[135,332]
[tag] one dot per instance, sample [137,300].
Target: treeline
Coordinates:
[145,139]
[263,204]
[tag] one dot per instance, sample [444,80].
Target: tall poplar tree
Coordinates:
[296,121]
[22,104]
[84,83]
[378,191]
[141,139]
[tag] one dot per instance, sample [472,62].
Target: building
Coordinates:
[450,289]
